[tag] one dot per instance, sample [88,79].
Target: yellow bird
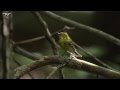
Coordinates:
[66,44]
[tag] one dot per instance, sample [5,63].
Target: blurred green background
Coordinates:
[26,27]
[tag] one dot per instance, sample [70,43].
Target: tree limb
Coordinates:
[47,31]
[73,63]
[26,53]
[95,58]
[6,43]
[20,65]
[98,32]
[29,40]
[66,28]
[59,69]
[52,41]
[31,56]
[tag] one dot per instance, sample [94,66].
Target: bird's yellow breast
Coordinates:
[64,40]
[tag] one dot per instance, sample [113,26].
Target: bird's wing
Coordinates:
[74,50]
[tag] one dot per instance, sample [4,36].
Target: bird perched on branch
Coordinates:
[66,44]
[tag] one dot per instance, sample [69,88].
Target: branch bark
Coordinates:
[6,43]
[66,28]
[73,63]
[26,53]
[23,52]
[93,57]
[52,41]
[98,32]
[47,31]
[30,40]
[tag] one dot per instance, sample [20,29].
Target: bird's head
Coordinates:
[63,35]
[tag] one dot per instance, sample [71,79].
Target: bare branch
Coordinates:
[47,31]
[26,53]
[98,32]
[73,63]
[55,46]
[30,40]
[39,63]
[20,65]
[66,28]
[23,52]
[59,69]
[93,68]
[95,58]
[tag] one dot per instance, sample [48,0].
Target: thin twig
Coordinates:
[47,32]
[30,40]
[92,56]
[31,56]
[18,50]
[66,28]
[95,31]
[55,46]
[26,53]
[83,50]
[73,63]
[59,69]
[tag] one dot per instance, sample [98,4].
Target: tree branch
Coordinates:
[20,71]
[55,46]
[29,40]
[6,43]
[19,64]
[66,28]
[95,58]
[73,63]
[59,69]
[98,32]
[26,53]
[31,56]
[47,31]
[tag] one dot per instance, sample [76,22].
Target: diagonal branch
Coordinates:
[30,40]
[23,52]
[47,31]
[26,53]
[20,65]
[95,58]
[48,34]
[73,63]
[66,28]
[59,69]
[98,32]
